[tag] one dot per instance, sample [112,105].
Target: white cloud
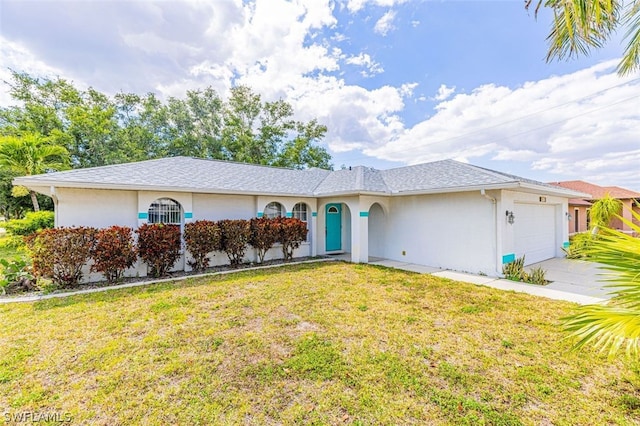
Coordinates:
[385,23]
[444,92]
[554,124]
[356,5]
[16,57]
[364,60]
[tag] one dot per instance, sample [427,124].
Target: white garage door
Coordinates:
[535,232]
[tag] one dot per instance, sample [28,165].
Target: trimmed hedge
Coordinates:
[159,247]
[60,253]
[201,238]
[234,237]
[113,252]
[32,222]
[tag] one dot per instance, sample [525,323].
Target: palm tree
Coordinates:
[581,25]
[615,325]
[31,154]
[602,211]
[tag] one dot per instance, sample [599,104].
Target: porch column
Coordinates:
[313,230]
[360,237]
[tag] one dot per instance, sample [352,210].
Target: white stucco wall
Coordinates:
[97,208]
[453,231]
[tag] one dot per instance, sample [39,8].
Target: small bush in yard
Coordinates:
[234,237]
[113,252]
[60,253]
[579,245]
[291,233]
[32,222]
[15,275]
[201,238]
[159,247]
[514,271]
[263,235]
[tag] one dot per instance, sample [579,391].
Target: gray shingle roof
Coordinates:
[198,175]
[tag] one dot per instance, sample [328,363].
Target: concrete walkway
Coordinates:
[572,280]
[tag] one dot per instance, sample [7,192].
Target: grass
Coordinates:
[323,344]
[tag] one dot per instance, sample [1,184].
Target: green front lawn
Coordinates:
[326,343]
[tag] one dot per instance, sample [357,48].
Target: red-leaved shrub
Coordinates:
[263,235]
[159,247]
[291,233]
[113,252]
[234,237]
[60,253]
[201,238]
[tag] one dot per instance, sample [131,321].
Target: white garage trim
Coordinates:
[535,231]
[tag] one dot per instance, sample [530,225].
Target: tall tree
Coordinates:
[31,154]
[581,25]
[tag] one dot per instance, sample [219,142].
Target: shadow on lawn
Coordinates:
[110,294]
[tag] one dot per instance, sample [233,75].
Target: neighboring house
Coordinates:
[579,207]
[445,214]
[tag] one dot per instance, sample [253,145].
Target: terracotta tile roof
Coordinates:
[597,191]
[578,202]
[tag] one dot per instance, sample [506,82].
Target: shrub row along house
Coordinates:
[444,214]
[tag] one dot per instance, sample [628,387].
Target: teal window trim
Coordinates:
[507,258]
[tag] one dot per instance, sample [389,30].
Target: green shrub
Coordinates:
[15,275]
[60,253]
[201,238]
[32,222]
[159,247]
[514,271]
[113,252]
[234,237]
[263,235]
[537,276]
[579,245]
[291,233]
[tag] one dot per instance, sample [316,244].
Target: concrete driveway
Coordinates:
[575,276]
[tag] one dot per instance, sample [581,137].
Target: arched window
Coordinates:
[274,210]
[300,212]
[165,210]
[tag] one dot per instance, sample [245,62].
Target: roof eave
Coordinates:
[40,183]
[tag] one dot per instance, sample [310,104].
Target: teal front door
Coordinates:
[333,230]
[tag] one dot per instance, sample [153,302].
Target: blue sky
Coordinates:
[396,82]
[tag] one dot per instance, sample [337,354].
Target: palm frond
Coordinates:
[608,328]
[616,325]
[631,59]
[580,25]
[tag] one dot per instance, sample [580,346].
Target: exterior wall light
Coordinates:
[510,217]
[569,217]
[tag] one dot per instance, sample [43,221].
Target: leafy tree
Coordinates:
[616,325]
[581,25]
[97,129]
[31,154]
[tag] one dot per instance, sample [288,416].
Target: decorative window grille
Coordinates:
[274,210]
[165,210]
[300,212]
